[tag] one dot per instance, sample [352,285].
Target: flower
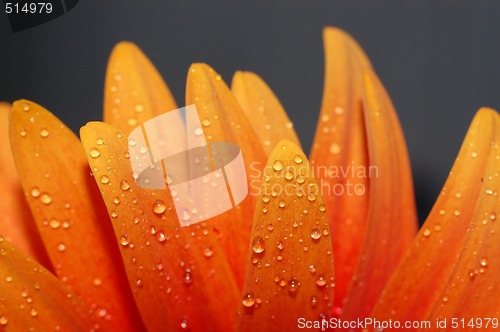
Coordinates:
[99,252]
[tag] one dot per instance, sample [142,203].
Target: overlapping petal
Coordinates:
[263,110]
[33,299]
[69,214]
[371,202]
[290,260]
[16,222]
[177,274]
[134,90]
[452,261]
[223,120]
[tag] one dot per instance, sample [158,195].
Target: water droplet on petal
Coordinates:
[124,185]
[161,237]
[297,159]
[293,286]
[277,165]
[258,245]
[426,232]
[315,234]
[205,122]
[45,198]
[61,247]
[484,262]
[334,148]
[265,199]
[124,240]
[44,132]
[281,204]
[320,280]
[159,207]
[208,252]
[288,175]
[33,312]
[94,153]
[3,321]
[248,300]
[35,192]
[54,224]
[311,197]
[104,179]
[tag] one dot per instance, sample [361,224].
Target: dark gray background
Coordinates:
[440,60]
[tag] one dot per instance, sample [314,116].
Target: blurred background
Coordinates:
[439,60]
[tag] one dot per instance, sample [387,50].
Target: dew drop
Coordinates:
[97,282]
[320,280]
[300,179]
[26,107]
[277,165]
[208,252]
[54,224]
[205,122]
[473,154]
[297,159]
[61,247]
[104,179]
[184,324]
[94,153]
[124,185]
[99,141]
[258,245]
[124,241]
[198,131]
[322,208]
[159,207]
[281,204]
[484,262]
[188,278]
[314,301]
[248,300]
[265,199]
[426,232]
[33,312]
[293,286]
[35,192]
[315,234]
[45,198]
[312,269]
[44,132]
[161,237]
[279,245]
[139,283]
[493,216]
[23,132]
[3,321]
[334,148]
[311,197]
[288,175]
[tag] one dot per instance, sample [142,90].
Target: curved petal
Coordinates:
[375,221]
[223,120]
[34,300]
[392,217]
[134,90]
[16,223]
[290,261]
[263,109]
[452,260]
[340,148]
[179,275]
[70,217]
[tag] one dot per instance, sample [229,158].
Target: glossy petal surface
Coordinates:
[179,275]
[290,260]
[69,213]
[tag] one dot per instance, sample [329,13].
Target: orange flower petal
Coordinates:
[70,217]
[33,299]
[223,120]
[290,261]
[451,263]
[16,223]
[263,109]
[340,146]
[134,90]
[392,218]
[177,274]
